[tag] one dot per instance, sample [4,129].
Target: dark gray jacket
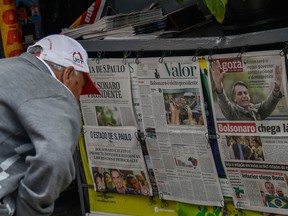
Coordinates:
[39,129]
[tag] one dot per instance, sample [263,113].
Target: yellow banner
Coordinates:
[10,30]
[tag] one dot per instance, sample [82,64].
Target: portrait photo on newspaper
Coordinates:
[249,88]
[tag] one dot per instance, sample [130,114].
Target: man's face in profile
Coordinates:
[241,96]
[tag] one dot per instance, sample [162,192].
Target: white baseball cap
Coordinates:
[65,51]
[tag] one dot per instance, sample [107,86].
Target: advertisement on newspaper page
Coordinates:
[116,160]
[249,98]
[114,106]
[259,186]
[174,120]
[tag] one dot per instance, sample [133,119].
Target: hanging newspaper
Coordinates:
[250,114]
[116,160]
[174,120]
[114,106]
[138,111]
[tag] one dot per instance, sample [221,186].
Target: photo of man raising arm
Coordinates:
[241,107]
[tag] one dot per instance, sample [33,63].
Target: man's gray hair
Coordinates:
[59,67]
[35,50]
[56,66]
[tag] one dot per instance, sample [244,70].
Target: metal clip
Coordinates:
[239,209]
[208,140]
[197,53]
[285,49]
[164,203]
[243,50]
[212,52]
[100,54]
[164,54]
[125,55]
[138,55]
[83,131]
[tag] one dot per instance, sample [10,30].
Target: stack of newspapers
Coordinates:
[125,24]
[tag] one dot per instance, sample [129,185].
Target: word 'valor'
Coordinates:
[180,70]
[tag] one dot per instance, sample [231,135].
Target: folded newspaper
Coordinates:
[120,23]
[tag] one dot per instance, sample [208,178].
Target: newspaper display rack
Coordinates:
[247,178]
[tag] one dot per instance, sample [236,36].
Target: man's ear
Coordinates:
[67,74]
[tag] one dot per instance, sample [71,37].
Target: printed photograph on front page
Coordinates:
[185,157]
[120,181]
[183,106]
[274,193]
[245,148]
[250,88]
[108,116]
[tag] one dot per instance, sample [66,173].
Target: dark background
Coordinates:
[58,14]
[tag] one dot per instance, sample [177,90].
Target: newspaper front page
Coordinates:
[114,107]
[249,98]
[116,160]
[174,121]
